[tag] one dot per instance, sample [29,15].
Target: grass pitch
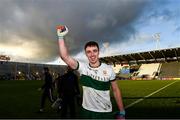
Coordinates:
[142,99]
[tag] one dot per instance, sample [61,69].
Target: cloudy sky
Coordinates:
[28,34]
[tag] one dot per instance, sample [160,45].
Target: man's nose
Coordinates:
[92,54]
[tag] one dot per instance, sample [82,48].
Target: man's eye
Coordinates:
[94,50]
[88,52]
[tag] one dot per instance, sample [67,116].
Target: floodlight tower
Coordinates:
[156,36]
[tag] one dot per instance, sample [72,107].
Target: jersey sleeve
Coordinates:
[81,67]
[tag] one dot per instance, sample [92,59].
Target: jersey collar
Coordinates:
[95,67]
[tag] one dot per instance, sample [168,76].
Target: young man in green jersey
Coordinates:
[96,79]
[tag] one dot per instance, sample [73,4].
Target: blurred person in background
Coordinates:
[47,89]
[68,90]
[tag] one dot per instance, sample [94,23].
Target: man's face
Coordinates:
[92,53]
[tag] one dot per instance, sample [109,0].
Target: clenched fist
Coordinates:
[61,31]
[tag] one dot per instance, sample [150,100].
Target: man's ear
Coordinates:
[85,53]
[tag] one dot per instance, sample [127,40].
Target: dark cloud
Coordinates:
[31,23]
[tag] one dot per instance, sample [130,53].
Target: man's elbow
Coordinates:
[63,56]
[65,59]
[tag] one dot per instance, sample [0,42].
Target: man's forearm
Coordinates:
[118,98]
[117,95]
[63,50]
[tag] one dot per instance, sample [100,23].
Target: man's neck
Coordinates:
[95,65]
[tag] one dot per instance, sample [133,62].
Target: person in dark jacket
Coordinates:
[47,89]
[68,90]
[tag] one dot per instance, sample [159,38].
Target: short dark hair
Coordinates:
[91,43]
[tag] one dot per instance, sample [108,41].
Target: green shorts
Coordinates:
[86,114]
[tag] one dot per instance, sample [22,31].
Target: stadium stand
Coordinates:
[148,70]
[6,71]
[117,68]
[159,64]
[125,71]
[27,71]
[170,70]
[156,56]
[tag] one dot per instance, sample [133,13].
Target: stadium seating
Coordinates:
[27,71]
[30,71]
[148,70]
[117,68]
[170,70]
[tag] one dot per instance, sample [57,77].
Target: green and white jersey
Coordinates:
[96,87]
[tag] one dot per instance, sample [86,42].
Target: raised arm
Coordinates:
[63,51]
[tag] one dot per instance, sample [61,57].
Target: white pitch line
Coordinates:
[141,99]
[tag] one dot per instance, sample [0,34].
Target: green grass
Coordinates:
[160,105]
[20,99]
